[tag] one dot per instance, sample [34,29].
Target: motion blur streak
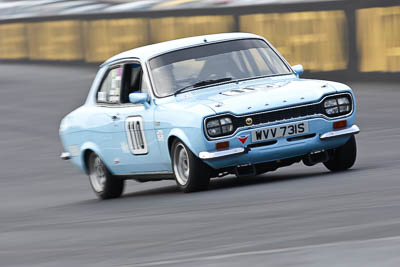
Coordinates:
[320,40]
[105,38]
[378,39]
[296,34]
[172,3]
[164,29]
[46,42]
[13,41]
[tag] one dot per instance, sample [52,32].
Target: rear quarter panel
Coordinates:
[79,132]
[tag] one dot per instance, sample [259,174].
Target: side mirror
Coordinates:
[298,69]
[138,98]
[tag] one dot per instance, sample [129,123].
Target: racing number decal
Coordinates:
[135,134]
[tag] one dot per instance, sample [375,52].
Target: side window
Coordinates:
[110,90]
[133,81]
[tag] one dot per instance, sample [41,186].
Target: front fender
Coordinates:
[192,137]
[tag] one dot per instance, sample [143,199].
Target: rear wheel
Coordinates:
[191,174]
[344,157]
[103,183]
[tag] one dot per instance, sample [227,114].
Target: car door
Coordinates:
[132,147]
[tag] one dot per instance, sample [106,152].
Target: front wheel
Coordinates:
[344,157]
[103,183]
[191,174]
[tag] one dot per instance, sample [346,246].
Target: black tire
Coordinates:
[110,186]
[198,173]
[344,157]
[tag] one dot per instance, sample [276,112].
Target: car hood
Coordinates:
[249,98]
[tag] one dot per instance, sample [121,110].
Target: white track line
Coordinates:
[260,252]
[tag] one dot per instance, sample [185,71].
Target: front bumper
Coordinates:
[241,150]
[222,153]
[65,156]
[348,131]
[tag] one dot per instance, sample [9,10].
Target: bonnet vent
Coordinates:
[237,91]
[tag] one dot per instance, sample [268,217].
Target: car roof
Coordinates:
[146,52]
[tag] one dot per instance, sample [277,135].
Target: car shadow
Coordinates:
[166,190]
[227,183]
[232,182]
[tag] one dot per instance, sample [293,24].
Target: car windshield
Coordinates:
[199,66]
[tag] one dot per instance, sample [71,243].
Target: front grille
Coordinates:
[280,115]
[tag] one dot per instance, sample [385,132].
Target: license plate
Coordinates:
[270,133]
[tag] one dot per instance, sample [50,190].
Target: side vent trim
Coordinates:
[135,134]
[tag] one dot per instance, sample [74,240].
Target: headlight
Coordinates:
[337,105]
[219,127]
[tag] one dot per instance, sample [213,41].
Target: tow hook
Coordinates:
[245,170]
[315,157]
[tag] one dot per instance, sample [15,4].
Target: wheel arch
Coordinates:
[180,135]
[85,159]
[87,149]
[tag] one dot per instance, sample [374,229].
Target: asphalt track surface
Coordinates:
[296,216]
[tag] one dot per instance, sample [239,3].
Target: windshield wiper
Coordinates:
[202,83]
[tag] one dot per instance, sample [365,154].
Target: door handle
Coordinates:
[114,117]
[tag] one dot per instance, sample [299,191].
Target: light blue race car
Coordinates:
[203,107]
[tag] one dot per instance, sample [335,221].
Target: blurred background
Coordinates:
[345,36]
[297,216]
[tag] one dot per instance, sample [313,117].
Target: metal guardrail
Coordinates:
[349,37]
